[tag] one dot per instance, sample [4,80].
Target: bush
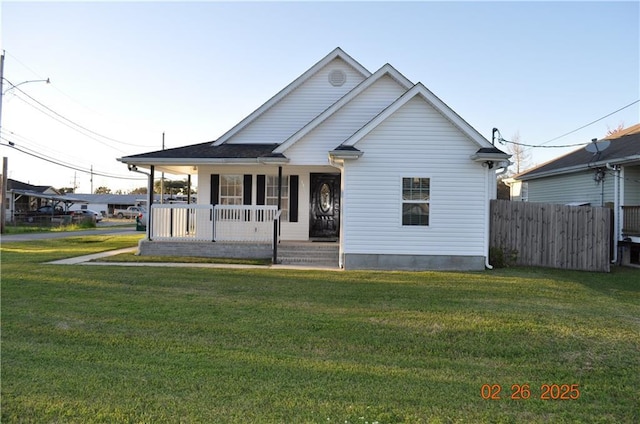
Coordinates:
[502,258]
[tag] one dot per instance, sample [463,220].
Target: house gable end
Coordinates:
[385,71]
[299,102]
[444,110]
[314,146]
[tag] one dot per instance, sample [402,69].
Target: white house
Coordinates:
[373,163]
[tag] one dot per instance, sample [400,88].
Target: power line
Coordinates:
[503,141]
[33,144]
[586,125]
[541,145]
[63,164]
[69,120]
[44,112]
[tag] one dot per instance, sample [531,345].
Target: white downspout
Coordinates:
[340,166]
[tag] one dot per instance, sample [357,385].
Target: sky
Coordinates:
[123,73]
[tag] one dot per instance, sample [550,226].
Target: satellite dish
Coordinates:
[597,146]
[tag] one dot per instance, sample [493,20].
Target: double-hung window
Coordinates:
[231,189]
[271,195]
[415,201]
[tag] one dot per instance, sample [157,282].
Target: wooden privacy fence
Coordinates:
[555,236]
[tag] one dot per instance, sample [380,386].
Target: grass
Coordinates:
[85,224]
[109,344]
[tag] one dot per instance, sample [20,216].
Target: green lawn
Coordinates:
[117,344]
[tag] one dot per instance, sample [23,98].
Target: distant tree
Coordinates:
[520,156]
[102,190]
[616,130]
[504,191]
[65,190]
[171,186]
[139,190]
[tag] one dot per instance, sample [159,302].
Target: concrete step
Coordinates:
[321,254]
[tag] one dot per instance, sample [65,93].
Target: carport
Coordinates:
[22,201]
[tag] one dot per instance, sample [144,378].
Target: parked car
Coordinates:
[88,213]
[131,212]
[46,212]
[49,210]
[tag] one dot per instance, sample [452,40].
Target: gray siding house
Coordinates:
[605,173]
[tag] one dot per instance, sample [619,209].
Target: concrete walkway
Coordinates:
[93,259]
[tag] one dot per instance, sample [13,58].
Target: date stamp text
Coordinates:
[524,392]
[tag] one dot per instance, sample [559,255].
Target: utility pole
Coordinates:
[91,179]
[3,189]
[1,82]
[3,194]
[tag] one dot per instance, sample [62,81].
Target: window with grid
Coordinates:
[415,201]
[271,195]
[231,189]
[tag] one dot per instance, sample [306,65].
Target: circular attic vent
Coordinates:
[337,77]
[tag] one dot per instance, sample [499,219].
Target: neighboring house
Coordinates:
[23,197]
[374,162]
[605,173]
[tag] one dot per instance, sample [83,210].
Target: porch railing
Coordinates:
[244,223]
[187,222]
[181,222]
[631,220]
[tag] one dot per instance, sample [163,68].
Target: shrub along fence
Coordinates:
[548,235]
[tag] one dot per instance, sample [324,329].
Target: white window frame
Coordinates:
[231,189]
[404,202]
[271,182]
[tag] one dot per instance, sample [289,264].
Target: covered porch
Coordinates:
[229,231]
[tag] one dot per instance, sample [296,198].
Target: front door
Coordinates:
[324,222]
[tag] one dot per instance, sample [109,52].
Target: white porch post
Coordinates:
[150,200]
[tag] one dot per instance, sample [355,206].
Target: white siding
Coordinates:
[314,147]
[415,141]
[299,107]
[631,185]
[570,188]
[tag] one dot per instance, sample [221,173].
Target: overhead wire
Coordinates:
[590,123]
[30,152]
[77,129]
[47,111]
[69,122]
[541,145]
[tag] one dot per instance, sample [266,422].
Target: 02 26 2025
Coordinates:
[523,392]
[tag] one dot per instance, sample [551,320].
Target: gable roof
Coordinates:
[383,71]
[219,151]
[621,150]
[19,185]
[433,100]
[336,53]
